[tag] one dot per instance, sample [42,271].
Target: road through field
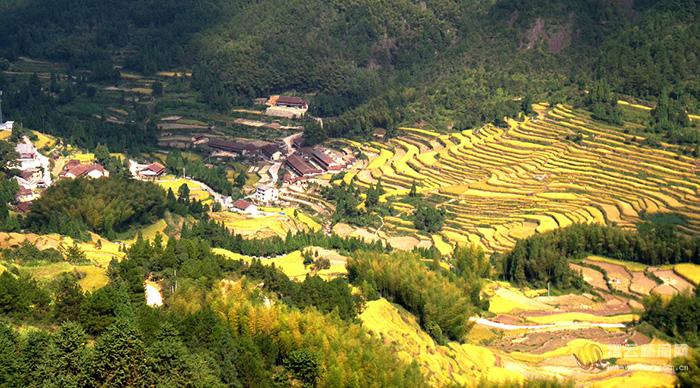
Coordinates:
[558,325]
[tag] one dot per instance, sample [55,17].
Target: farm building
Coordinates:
[326,159]
[291,102]
[7,126]
[237,147]
[301,167]
[286,106]
[379,133]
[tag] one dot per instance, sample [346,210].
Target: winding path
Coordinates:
[558,325]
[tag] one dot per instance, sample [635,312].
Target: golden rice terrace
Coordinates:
[501,184]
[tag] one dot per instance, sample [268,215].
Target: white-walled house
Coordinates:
[266,194]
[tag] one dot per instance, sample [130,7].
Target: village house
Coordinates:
[93,171]
[29,158]
[152,172]
[23,207]
[25,194]
[26,151]
[266,194]
[32,175]
[243,206]
[21,182]
[298,142]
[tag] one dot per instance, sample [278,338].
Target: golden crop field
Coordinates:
[689,271]
[273,222]
[503,184]
[292,264]
[464,364]
[94,273]
[43,140]
[196,191]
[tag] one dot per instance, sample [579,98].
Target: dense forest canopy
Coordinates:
[106,205]
[378,64]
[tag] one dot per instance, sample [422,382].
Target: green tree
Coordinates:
[304,365]
[241,178]
[75,255]
[10,368]
[68,299]
[428,218]
[67,361]
[158,89]
[169,363]
[183,193]
[413,192]
[119,356]
[102,154]
[314,133]
[688,370]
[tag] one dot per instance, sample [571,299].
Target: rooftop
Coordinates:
[155,168]
[84,169]
[300,166]
[290,100]
[241,204]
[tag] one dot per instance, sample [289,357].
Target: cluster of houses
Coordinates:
[35,171]
[34,174]
[302,163]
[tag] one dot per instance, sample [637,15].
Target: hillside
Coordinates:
[455,64]
[350,193]
[547,172]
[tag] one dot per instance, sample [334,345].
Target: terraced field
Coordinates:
[515,355]
[501,184]
[637,280]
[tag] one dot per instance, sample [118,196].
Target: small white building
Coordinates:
[152,172]
[266,194]
[7,126]
[243,206]
[26,151]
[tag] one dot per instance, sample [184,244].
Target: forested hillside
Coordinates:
[440,63]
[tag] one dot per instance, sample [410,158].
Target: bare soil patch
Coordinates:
[618,276]
[665,290]
[672,279]
[404,243]
[586,303]
[641,284]
[540,342]
[590,276]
